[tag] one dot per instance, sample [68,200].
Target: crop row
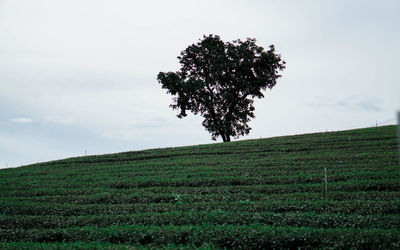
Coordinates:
[338,191]
[254,236]
[188,181]
[184,195]
[215,217]
[22,245]
[361,207]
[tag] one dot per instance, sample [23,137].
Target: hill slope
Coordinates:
[250,194]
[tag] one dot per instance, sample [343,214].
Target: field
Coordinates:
[265,193]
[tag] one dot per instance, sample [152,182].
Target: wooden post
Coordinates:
[398,131]
[326,184]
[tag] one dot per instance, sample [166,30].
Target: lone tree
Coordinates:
[219,80]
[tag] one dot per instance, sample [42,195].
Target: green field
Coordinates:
[262,193]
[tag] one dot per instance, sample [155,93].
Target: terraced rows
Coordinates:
[248,194]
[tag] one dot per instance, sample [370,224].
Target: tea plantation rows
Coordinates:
[265,193]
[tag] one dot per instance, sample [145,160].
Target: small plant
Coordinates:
[248,201]
[178,198]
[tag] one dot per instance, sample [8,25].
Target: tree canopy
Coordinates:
[219,81]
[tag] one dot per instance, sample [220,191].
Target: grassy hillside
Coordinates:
[247,194]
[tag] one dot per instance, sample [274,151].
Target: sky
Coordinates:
[80,77]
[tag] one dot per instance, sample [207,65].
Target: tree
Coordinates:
[219,80]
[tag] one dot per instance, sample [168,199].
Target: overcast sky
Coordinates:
[80,76]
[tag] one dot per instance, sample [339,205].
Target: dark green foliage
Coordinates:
[220,80]
[248,194]
[252,236]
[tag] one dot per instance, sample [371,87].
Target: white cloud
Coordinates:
[22,120]
[62,120]
[356,103]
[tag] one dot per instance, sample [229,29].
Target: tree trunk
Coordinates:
[223,137]
[226,138]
